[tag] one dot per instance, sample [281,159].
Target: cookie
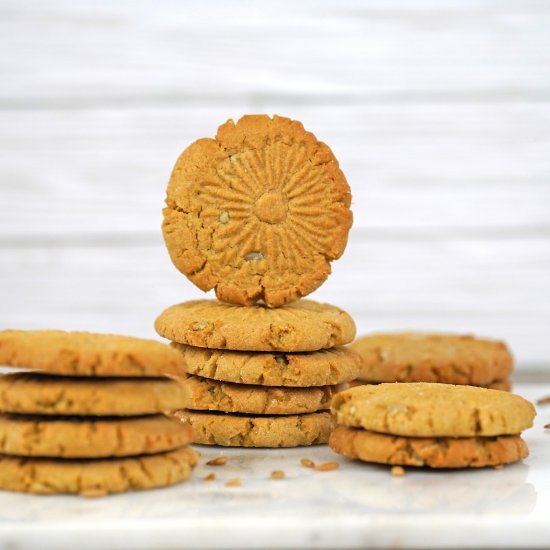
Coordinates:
[211,395]
[503,385]
[426,410]
[441,452]
[88,354]
[319,368]
[301,326]
[234,430]
[444,358]
[35,393]
[96,477]
[468,452]
[74,437]
[258,213]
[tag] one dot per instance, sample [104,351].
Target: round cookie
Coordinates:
[301,326]
[425,410]
[444,358]
[258,213]
[36,393]
[232,430]
[211,395]
[88,354]
[442,452]
[319,368]
[94,478]
[71,437]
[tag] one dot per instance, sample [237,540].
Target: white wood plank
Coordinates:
[61,52]
[468,169]
[499,290]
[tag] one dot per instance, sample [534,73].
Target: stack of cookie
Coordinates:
[90,421]
[443,358]
[261,377]
[258,214]
[434,425]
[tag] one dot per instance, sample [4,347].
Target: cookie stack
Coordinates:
[434,425]
[258,214]
[90,421]
[258,376]
[443,358]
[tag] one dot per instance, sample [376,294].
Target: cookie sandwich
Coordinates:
[433,425]
[87,415]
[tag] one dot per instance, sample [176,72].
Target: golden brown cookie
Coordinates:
[444,358]
[234,430]
[74,437]
[36,393]
[87,354]
[257,213]
[94,478]
[211,395]
[503,385]
[441,452]
[424,410]
[301,326]
[319,368]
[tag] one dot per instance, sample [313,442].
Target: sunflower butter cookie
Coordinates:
[88,354]
[241,430]
[37,393]
[301,326]
[319,368]
[77,437]
[211,395]
[444,358]
[258,213]
[424,410]
[93,478]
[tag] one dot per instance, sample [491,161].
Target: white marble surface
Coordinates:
[356,506]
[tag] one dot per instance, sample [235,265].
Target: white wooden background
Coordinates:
[439,112]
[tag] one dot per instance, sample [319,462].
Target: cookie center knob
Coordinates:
[271,207]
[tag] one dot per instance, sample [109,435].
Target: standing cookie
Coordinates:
[258,213]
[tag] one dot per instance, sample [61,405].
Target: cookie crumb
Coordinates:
[498,467]
[544,400]
[327,466]
[398,471]
[547,426]
[209,477]
[277,474]
[218,461]
[235,482]
[307,463]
